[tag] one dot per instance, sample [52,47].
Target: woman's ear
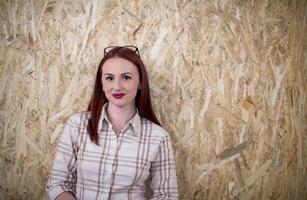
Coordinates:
[140,86]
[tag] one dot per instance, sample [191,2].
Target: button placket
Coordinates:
[108,172]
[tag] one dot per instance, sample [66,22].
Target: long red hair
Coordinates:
[98,99]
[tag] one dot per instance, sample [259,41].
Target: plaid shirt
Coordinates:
[119,167]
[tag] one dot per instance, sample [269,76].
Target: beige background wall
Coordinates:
[228,80]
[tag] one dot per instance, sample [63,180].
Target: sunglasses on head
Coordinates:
[133,48]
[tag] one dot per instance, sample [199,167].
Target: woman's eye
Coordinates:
[126,77]
[109,78]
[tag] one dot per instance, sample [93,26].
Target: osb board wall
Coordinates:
[228,81]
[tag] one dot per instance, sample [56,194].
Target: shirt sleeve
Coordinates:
[63,174]
[163,173]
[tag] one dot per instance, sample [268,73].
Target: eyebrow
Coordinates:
[125,73]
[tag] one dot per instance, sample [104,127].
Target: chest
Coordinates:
[124,158]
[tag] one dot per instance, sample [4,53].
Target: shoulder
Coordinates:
[156,131]
[78,118]
[75,126]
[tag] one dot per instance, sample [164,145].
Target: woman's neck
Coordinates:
[120,116]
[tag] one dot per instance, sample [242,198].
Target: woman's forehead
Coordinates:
[118,65]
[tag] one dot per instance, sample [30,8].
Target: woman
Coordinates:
[110,151]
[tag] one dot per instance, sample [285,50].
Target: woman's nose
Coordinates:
[117,84]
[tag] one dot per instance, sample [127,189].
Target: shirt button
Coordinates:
[105,191]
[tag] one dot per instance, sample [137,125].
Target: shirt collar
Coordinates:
[135,122]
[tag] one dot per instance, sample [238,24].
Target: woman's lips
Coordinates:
[118,95]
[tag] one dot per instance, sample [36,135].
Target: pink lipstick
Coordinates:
[118,95]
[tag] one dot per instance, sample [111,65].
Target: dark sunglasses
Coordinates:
[133,48]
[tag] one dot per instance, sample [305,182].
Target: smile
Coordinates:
[118,95]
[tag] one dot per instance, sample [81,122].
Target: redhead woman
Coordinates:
[110,151]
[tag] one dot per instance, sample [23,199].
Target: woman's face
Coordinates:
[120,82]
